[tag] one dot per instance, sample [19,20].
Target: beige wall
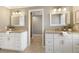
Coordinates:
[76,25]
[75,8]
[4,16]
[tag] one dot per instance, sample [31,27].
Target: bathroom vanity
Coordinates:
[15,40]
[59,42]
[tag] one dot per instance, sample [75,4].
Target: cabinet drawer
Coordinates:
[3,34]
[49,36]
[75,35]
[58,36]
[14,34]
[76,41]
[49,42]
[49,49]
[15,38]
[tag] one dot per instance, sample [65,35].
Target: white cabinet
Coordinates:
[48,43]
[13,41]
[1,42]
[76,42]
[58,43]
[4,40]
[63,43]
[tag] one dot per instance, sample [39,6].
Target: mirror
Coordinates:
[18,19]
[58,19]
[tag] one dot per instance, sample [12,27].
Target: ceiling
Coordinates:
[13,7]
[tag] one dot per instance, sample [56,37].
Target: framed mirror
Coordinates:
[18,20]
[58,19]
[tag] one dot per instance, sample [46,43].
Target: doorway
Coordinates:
[36,26]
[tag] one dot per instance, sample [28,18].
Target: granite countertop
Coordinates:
[58,31]
[15,31]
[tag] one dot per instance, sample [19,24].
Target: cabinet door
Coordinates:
[14,41]
[76,42]
[1,42]
[67,45]
[57,45]
[76,45]
[49,45]
[49,49]
[11,43]
[49,42]
[5,43]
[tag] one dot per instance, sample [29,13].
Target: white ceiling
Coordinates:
[13,7]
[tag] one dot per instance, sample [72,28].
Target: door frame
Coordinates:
[29,25]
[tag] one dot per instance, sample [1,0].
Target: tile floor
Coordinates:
[36,45]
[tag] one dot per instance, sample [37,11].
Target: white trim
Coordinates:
[42,24]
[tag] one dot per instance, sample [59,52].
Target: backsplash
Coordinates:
[2,28]
[55,28]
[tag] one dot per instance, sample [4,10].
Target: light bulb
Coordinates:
[19,13]
[54,10]
[64,9]
[16,13]
[59,9]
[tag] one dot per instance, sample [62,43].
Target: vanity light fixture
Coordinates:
[59,10]
[16,12]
